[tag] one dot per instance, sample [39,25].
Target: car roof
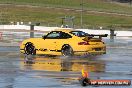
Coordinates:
[67,30]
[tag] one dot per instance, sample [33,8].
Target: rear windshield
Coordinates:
[79,33]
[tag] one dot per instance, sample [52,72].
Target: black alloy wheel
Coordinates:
[29,49]
[67,50]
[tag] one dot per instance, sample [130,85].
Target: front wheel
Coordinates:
[67,50]
[29,49]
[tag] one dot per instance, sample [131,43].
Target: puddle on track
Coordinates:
[16,71]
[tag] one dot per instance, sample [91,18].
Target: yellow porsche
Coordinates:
[66,42]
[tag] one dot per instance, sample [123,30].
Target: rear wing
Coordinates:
[99,35]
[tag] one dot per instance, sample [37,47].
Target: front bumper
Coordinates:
[22,51]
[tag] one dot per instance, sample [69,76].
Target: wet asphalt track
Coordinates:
[16,71]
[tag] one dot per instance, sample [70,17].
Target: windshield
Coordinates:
[79,33]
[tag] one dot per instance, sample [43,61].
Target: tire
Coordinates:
[67,50]
[29,49]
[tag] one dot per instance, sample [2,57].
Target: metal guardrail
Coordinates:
[22,30]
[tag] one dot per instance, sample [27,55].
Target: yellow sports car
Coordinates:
[66,42]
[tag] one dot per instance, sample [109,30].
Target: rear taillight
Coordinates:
[83,43]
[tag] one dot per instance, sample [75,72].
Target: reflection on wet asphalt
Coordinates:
[19,71]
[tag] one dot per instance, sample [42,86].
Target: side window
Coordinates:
[75,33]
[64,35]
[79,33]
[53,35]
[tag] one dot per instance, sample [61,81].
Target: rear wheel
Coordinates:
[29,49]
[67,50]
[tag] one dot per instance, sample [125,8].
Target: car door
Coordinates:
[64,38]
[50,40]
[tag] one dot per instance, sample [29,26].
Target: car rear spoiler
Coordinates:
[99,35]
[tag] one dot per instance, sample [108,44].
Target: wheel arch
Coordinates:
[31,43]
[68,45]
[28,43]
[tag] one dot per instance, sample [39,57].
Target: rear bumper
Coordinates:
[93,49]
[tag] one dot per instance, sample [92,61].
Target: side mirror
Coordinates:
[44,37]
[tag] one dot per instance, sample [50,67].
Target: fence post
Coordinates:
[112,34]
[0,35]
[31,31]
